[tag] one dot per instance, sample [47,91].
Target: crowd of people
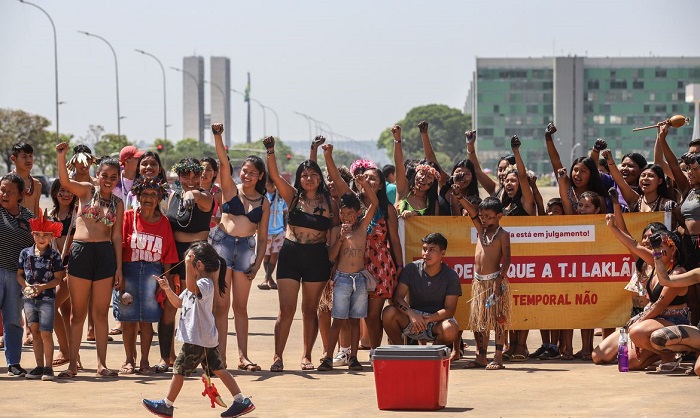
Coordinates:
[124,239]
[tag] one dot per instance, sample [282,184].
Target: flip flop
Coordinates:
[92,339]
[495,366]
[67,374]
[518,358]
[106,373]
[126,369]
[277,366]
[471,364]
[264,286]
[669,366]
[60,362]
[160,368]
[273,286]
[146,371]
[114,331]
[307,366]
[250,367]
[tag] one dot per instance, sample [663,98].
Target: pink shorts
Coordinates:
[274,243]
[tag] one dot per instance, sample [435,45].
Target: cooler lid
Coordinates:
[415,352]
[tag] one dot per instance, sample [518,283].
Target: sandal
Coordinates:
[60,362]
[307,366]
[264,286]
[669,366]
[273,286]
[127,368]
[114,331]
[146,371]
[250,367]
[518,357]
[493,365]
[471,364]
[67,374]
[567,357]
[105,373]
[277,366]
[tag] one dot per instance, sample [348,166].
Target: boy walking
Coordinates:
[198,332]
[40,269]
[490,307]
[349,284]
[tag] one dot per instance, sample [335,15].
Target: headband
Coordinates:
[154,183]
[362,163]
[186,167]
[84,158]
[43,223]
[430,169]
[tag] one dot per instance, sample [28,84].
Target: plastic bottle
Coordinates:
[623,364]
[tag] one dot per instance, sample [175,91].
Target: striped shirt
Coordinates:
[15,235]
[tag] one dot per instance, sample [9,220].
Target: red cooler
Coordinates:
[411,377]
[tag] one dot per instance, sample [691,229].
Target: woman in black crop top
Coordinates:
[189,212]
[241,240]
[667,309]
[303,260]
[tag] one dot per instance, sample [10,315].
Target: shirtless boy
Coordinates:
[349,284]
[23,159]
[490,307]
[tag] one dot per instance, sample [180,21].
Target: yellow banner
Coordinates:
[566,271]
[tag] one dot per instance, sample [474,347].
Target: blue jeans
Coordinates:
[11,306]
[239,252]
[140,283]
[40,312]
[349,296]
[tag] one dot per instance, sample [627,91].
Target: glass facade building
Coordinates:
[587,98]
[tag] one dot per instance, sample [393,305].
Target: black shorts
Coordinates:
[92,260]
[303,262]
[190,356]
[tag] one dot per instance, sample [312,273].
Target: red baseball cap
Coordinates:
[129,151]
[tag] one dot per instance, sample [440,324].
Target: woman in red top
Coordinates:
[148,249]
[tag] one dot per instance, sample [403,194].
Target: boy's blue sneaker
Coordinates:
[158,408]
[239,408]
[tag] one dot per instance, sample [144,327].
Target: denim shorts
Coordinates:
[426,335]
[349,296]
[675,319]
[140,283]
[41,312]
[239,252]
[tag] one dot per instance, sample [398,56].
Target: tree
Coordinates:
[20,126]
[110,144]
[45,152]
[447,127]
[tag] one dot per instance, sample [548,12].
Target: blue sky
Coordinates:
[358,66]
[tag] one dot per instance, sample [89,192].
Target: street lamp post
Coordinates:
[165,101]
[262,106]
[308,120]
[573,151]
[55,60]
[116,71]
[277,119]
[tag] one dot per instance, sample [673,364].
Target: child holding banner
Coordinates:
[490,303]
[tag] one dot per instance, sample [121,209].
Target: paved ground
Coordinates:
[522,389]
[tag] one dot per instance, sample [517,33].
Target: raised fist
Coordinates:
[217,128]
[269,142]
[689,157]
[612,192]
[607,154]
[550,129]
[515,142]
[423,127]
[361,180]
[471,136]
[455,191]
[600,144]
[318,141]
[609,219]
[655,240]
[62,148]
[327,149]
[396,131]
[561,173]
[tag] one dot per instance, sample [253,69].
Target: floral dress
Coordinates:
[378,260]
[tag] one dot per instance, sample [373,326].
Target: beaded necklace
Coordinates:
[181,210]
[485,239]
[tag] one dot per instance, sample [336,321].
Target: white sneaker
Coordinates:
[340,359]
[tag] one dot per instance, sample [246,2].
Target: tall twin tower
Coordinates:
[195,121]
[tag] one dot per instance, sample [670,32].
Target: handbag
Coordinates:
[370,281]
